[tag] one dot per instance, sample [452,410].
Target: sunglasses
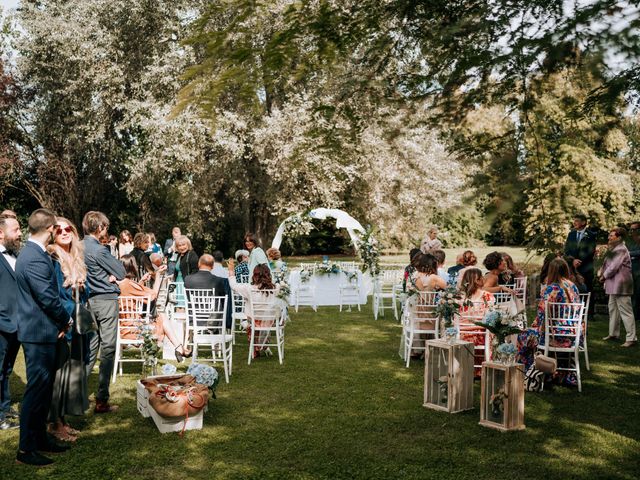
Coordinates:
[66,229]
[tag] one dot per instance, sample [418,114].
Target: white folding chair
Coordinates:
[562,332]
[238,315]
[349,292]
[585,298]
[383,289]
[188,324]
[466,328]
[502,300]
[206,318]
[267,319]
[305,294]
[396,299]
[133,314]
[520,287]
[419,319]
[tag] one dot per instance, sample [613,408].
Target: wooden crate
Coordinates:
[502,396]
[448,376]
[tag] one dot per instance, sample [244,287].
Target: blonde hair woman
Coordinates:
[431,241]
[70,394]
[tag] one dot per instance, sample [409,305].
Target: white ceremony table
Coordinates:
[327,287]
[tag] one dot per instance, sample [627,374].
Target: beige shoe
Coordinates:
[610,338]
[631,343]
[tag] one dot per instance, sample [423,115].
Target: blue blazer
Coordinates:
[40,311]
[9,289]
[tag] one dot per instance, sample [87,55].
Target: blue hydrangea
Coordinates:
[204,374]
[507,349]
[168,369]
[491,318]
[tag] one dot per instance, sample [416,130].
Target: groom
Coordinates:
[42,320]
[581,245]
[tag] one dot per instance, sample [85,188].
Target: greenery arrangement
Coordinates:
[369,252]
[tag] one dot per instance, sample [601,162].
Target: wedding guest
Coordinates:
[431,241]
[154,246]
[496,266]
[557,289]
[581,245]
[204,279]
[156,261]
[133,286]
[618,284]
[472,286]
[10,240]
[427,274]
[574,276]
[458,266]
[633,244]
[511,273]
[440,258]
[186,261]
[410,270]
[242,268]
[103,295]
[218,269]
[544,270]
[141,243]
[125,243]
[70,391]
[9,214]
[469,260]
[260,281]
[170,243]
[42,321]
[113,246]
[256,254]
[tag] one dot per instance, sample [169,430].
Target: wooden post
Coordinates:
[448,376]
[502,396]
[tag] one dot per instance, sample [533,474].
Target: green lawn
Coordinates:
[344,406]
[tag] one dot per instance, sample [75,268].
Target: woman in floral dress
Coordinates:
[472,284]
[557,289]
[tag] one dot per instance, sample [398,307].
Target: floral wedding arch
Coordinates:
[362,239]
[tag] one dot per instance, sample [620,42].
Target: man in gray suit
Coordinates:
[102,267]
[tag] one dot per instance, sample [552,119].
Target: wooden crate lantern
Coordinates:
[448,376]
[502,396]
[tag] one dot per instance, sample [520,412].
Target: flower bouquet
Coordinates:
[501,325]
[205,375]
[449,304]
[150,349]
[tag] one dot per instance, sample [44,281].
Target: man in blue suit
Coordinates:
[10,235]
[42,320]
[581,245]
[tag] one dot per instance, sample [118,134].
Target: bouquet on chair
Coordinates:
[501,325]
[450,301]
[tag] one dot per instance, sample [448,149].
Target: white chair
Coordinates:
[206,319]
[465,328]
[188,325]
[419,318]
[396,300]
[305,294]
[267,319]
[562,332]
[520,287]
[133,314]
[383,289]
[238,315]
[502,300]
[585,298]
[349,292]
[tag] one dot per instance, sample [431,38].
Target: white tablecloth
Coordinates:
[327,286]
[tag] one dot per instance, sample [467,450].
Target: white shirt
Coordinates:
[8,257]
[220,271]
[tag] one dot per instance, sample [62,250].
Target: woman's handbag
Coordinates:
[545,364]
[534,380]
[85,320]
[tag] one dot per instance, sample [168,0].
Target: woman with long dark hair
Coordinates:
[261,280]
[133,286]
[256,253]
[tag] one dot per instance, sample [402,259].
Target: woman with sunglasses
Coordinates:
[70,393]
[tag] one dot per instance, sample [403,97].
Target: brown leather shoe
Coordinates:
[630,343]
[105,407]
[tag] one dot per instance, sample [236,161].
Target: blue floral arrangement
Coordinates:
[205,375]
[507,349]
[169,369]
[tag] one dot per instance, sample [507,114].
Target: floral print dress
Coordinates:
[468,314]
[529,340]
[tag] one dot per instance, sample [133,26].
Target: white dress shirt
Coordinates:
[220,271]
[8,257]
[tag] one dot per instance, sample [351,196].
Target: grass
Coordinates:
[344,406]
